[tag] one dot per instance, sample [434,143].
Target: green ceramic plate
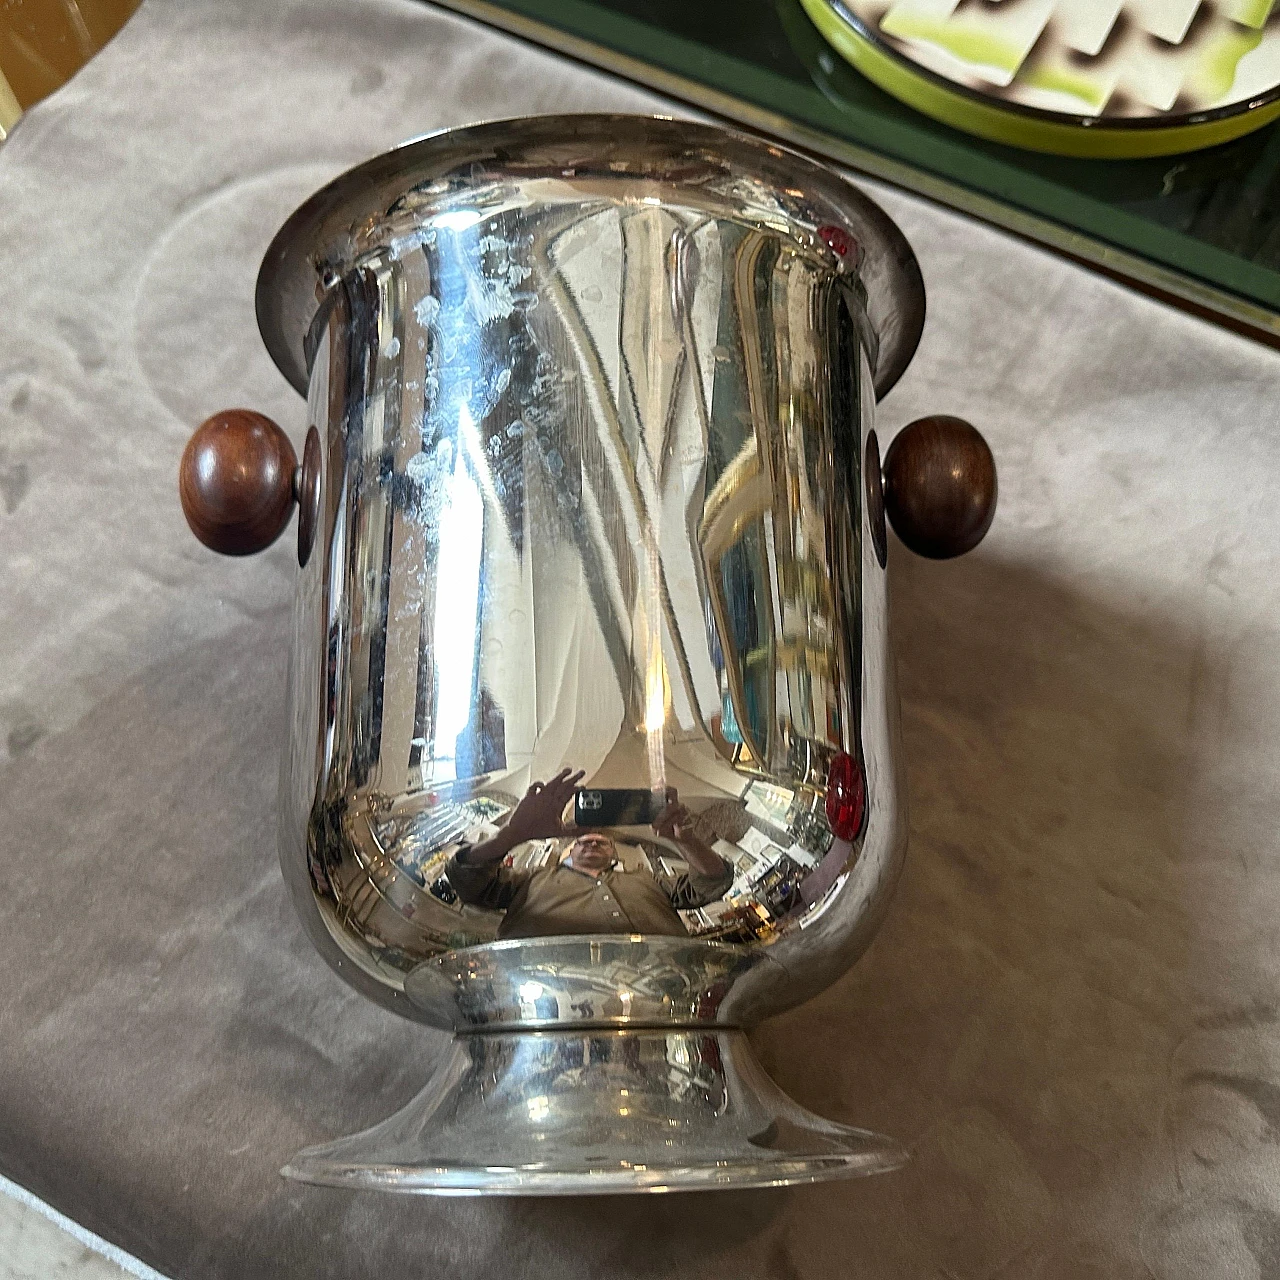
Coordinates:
[1097,78]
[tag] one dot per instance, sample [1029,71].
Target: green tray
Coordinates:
[1202,228]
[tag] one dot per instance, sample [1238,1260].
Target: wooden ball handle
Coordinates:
[238,481]
[940,486]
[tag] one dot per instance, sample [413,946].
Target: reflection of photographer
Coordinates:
[589,891]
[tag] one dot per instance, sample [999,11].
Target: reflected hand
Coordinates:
[675,822]
[540,814]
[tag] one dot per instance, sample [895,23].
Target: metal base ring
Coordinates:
[591,1112]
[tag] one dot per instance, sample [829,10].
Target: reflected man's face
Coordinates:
[592,852]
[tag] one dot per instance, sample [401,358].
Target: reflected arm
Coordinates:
[479,878]
[677,824]
[476,871]
[709,875]
[695,888]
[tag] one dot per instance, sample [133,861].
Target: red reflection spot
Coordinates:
[846,796]
[837,239]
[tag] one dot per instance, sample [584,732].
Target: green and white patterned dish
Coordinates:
[1102,78]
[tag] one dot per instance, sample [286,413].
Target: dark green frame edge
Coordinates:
[1127,246]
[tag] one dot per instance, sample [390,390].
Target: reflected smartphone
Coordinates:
[616,806]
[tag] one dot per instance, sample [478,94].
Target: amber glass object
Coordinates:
[43,43]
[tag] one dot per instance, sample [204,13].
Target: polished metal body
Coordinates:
[595,399]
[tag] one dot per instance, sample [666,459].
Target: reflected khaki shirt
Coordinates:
[556,900]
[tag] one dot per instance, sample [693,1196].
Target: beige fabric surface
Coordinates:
[1071,1014]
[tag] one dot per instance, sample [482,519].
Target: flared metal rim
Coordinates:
[769,1170]
[290,288]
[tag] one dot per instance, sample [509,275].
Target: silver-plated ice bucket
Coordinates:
[592,756]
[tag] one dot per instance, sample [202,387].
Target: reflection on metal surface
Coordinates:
[873,482]
[593,394]
[596,981]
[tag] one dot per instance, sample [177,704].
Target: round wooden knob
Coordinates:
[940,486]
[236,482]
